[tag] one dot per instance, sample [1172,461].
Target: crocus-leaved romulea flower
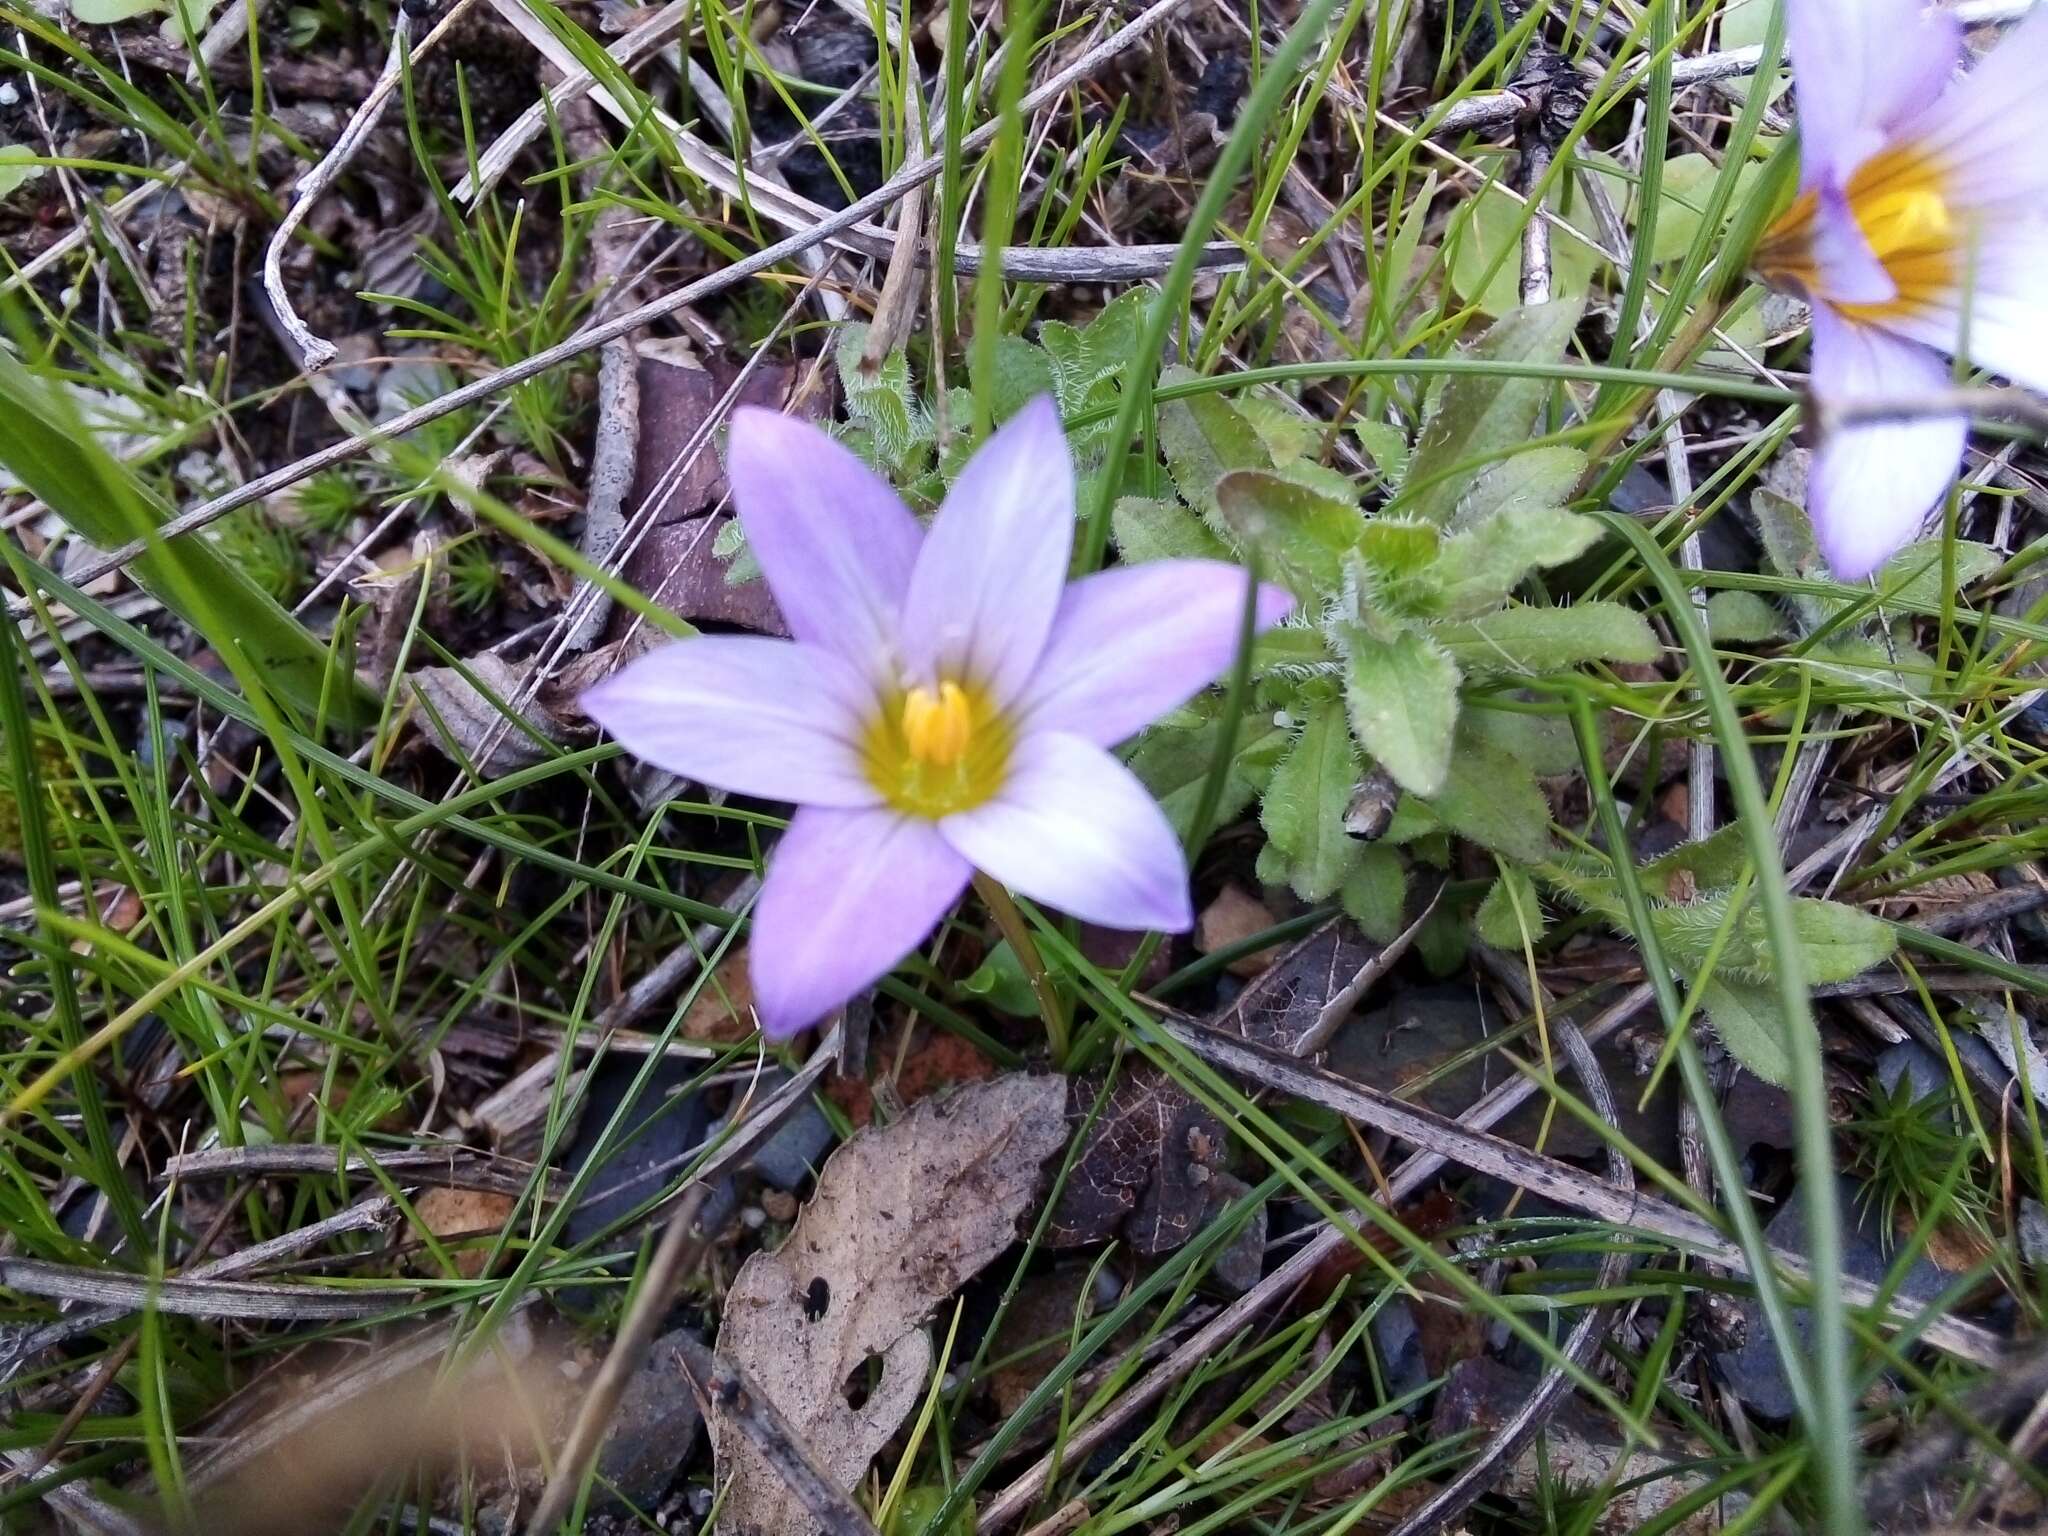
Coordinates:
[945,705]
[1921,229]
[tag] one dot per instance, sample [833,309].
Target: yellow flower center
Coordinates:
[934,751]
[1899,203]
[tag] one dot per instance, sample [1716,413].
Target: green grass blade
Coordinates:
[55,456]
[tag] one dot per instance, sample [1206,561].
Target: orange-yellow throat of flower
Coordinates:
[1899,202]
[938,750]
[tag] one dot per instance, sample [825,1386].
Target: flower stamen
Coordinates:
[935,750]
[938,726]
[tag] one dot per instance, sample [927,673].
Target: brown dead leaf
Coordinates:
[120,908]
[903,1216]
[1429,1215]
[389,588]
[944,1061]
[462,719]
[1281,1008]
[1937,898]
[1234,916]
[1145,1170]
[676,563]
[456,1214]
[1035,1329]
[935,1061]
[722,1013]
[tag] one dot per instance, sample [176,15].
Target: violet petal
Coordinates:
[989,579]
[1860,68]
[835,543]
[1074,829]
[1986,129]
[1872,486]
[1131,643]
[846,896]
[756,716]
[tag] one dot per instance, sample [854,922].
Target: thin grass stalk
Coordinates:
[1006,174]
[1279,78]
[39,863]
[1831,1422]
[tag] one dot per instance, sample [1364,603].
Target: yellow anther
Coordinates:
[937,726]
[1902,219]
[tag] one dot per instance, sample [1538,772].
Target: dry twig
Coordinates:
[679,1250]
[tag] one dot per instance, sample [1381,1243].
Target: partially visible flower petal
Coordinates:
[1872,486]
[1132,642]
[2006,295]
[835,542]
[847,895]
[752,715]
[1074,829]
[1983,141]
[1846,269]
[1860,68]
[986,586]
[1987,129]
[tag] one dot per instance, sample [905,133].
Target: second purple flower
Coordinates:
[946,704]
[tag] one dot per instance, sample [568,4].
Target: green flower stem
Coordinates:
[1050,1009]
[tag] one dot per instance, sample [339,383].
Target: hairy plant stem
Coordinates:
[1050,1009]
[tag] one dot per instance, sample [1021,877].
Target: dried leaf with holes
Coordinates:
[831,1325]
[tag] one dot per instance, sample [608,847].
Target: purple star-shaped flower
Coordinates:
[1921,229]
[945,706]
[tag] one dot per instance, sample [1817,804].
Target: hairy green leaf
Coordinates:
[1403,697]
[1085,357]
[1751,1025]
[1375,892]
[1915,574]
[1204,438]
[1174,764]
[1483,415]
[1387,446]
[1681,213]
[1494,800]
[1485,244]
[1543,744]
[1538,479]
[1545,639]
[1395,568]
[1304,809]
[1020,373]
[1481,566]
[1148,529]
[1743,618]
[1510,916]
[1301,534]
[881,404]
